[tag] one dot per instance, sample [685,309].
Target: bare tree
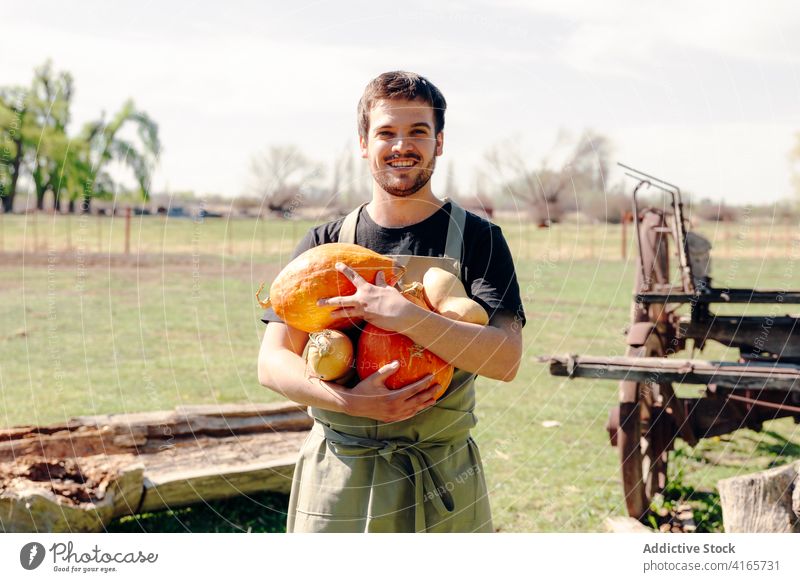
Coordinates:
[450,188]
[281,176]
[543,188]
[346,186]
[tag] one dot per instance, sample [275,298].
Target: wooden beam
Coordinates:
[733,375]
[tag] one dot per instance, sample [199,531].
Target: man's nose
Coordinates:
[402,144]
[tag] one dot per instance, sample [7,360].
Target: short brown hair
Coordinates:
[400,85]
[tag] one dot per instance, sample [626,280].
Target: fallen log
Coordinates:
[765,502]
[79,475]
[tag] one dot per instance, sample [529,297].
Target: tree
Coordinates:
[543,188]
[35,141]
[346,186]
[105,144]
[450,187]
[16,132]
[279,176]
[49,103]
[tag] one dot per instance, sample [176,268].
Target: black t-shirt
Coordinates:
[487,268]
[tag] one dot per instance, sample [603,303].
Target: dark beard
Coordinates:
[423,177]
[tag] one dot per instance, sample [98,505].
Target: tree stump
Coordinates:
[765,502]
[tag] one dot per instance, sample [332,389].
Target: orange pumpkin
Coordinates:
[313,276]
[377,347]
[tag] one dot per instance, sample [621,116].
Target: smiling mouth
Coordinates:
[402,163]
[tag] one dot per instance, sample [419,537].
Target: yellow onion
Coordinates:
[328,355]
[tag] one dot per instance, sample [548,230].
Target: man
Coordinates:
[398,460]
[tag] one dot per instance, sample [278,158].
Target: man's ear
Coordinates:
[362,142]
[439,143]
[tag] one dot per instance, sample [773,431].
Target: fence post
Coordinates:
[128,230]
[68,230]
[229,232]
[260,225]
[624,224]
[788,236]
[558,242]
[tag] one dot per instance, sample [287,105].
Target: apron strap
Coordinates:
[347,234]
[455,231]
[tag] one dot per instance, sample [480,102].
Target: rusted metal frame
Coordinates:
[712,295]
[765,403]
[732,375]
[778,335]
[679,228]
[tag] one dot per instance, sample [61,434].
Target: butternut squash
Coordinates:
[446,295]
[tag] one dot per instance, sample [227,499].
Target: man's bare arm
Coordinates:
[494,350]
[282,368]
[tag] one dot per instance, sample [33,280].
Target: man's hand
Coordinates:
[372,399]
[378,304]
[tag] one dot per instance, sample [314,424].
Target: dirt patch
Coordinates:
[149,265]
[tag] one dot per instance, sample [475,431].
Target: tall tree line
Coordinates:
[37,146]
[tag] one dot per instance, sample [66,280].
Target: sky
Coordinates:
[703,94]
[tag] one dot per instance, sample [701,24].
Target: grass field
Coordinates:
[89,332]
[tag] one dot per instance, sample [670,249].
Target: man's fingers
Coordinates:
[380,279]
[354,277]
[409,390]
[425,395]
[350,312]
[343,301]
[386,371]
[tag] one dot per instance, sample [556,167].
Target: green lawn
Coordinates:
[89,334]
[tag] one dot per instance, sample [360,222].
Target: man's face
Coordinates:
[401,145]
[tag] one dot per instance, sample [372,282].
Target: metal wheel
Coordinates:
[646,434]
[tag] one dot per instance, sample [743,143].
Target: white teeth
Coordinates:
[402,164]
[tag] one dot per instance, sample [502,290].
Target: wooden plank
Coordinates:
[779,334]
[168,459]
[217,468]
[737,376]
[195,485]
[150,431]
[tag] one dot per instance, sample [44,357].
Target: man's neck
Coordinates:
[396,212]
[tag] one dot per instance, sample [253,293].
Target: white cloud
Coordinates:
[624,37]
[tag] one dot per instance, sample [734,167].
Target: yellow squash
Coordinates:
[446,295]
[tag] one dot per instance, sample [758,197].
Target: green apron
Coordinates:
[423,474]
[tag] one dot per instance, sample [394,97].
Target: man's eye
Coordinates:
[384,134]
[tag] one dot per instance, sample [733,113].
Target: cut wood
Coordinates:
[79,475]
[765,502]
[620,524]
